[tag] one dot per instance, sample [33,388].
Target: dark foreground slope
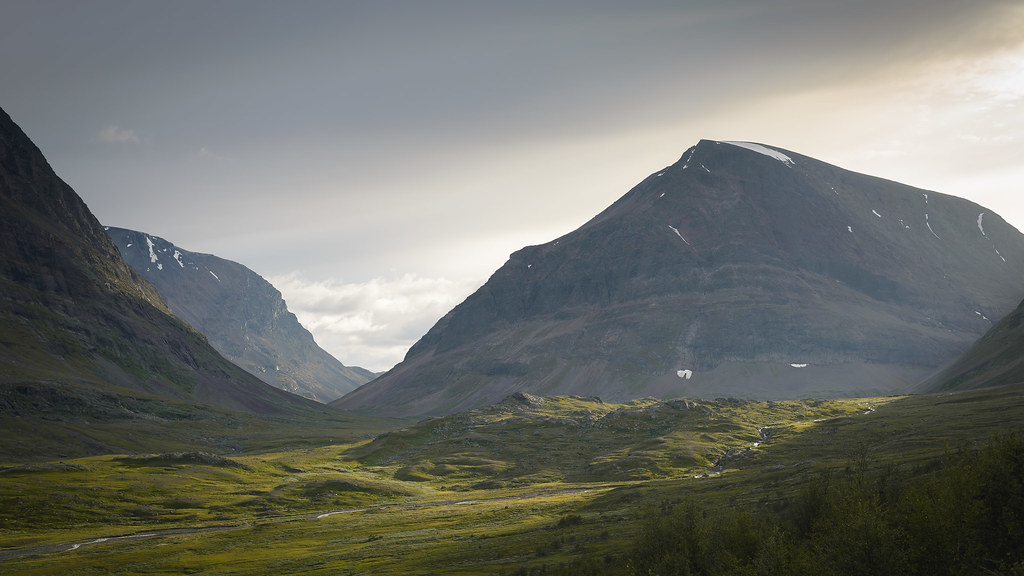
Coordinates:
[242,315]
[84,339]
[740,270]
[996,359]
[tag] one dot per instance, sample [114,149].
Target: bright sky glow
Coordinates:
[377,161]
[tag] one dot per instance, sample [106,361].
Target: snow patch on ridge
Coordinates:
[177,256]
[763,150]
[875,212]
[980,227]
[688,158]
[152,253]
[684,374]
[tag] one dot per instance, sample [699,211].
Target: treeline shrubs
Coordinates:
[965,516]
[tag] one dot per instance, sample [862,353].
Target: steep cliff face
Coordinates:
[243,316]
[77,321]
[741,270]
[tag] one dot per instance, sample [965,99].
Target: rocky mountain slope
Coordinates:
[242,315]
[996,359]
[741,270]
[81,335]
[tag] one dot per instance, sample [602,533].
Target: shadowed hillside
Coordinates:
[741,270]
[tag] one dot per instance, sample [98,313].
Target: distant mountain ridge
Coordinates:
[243,316]
[741,270]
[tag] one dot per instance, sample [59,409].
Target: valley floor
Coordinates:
[553,485]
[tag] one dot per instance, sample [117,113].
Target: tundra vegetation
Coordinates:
[566,485]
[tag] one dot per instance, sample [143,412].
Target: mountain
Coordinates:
[83,338]
[740,270]
[242,315]
[996,359]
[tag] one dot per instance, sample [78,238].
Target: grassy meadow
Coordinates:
[528,486]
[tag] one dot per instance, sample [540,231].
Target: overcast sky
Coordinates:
[378,160]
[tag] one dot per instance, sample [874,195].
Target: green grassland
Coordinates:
[530,485]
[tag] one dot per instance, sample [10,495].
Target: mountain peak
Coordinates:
[762,149]
[751,270]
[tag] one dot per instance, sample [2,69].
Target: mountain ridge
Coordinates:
[742,270]
[82,336]
[243,315]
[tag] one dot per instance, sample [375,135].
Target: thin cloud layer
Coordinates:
[370,324]
[114,134]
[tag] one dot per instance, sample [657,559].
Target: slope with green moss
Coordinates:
[438,497]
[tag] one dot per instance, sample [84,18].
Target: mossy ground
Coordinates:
[529,484]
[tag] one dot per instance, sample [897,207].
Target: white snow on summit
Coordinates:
[764,150]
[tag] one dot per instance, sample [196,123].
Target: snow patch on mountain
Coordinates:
[929,224]
[688,158]
[152,254]
[982,228]
[763,150]
[676,230]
